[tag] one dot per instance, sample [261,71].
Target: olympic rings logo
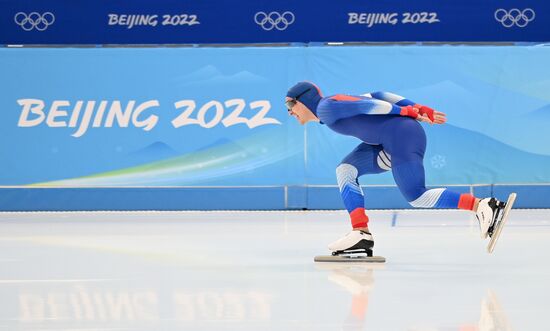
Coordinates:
[514,17]
[34,20]
[274,20]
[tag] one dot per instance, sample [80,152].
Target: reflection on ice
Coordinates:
[493,317]
[356,279]
[254,271]
[81,303]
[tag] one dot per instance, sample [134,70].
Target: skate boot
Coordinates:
[354,243]
[489,211]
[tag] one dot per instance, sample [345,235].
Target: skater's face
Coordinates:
[299,111]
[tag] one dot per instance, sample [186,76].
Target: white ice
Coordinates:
[255,271]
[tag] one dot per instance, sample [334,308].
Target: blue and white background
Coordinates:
[202,128]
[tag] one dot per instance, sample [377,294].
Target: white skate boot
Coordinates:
[356,246]
[488,212]
[492,215]
[353,243]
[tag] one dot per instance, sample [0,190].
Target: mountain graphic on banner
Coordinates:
[249,157]
[542,113]
[463,157]
[153,152]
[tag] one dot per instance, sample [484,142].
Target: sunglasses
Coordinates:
[292,102]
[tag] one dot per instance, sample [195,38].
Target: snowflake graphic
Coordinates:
[438,161]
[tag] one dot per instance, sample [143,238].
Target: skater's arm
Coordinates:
[391,98]
[340,106]
[426,113]
[361,105]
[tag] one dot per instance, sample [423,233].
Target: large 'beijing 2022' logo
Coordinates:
[514,17]
[34,20]
[274,20]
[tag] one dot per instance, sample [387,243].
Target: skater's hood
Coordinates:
[307,93]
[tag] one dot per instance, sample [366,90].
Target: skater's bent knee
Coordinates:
[427,199]
[383,160]
[346,173]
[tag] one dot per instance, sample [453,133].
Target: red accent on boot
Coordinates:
[466,201]
[359,218]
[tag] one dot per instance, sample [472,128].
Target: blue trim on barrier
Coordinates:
[297,197]
[528,197]
[66,199]
[230,198]
[483,191]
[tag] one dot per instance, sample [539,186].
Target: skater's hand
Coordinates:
[425,110]
[439,118]
[410,111]
[430,115]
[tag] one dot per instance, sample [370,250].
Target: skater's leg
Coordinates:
[488,211]
[408,170]
[364,159]
[410,178]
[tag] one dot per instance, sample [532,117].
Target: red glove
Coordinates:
[425,110]
[409,111]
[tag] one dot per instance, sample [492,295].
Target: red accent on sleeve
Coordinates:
[359,218]
[466,201]
[343,97]
[408,111]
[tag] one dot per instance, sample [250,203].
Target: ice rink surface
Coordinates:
[255,271]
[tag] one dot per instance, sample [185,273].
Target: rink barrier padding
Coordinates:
[235,198]
[93,199]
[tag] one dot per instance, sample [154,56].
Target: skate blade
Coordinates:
[498,227]
[350,259]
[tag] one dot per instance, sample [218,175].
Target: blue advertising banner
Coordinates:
[214,117]
[216,21]
[133,117]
